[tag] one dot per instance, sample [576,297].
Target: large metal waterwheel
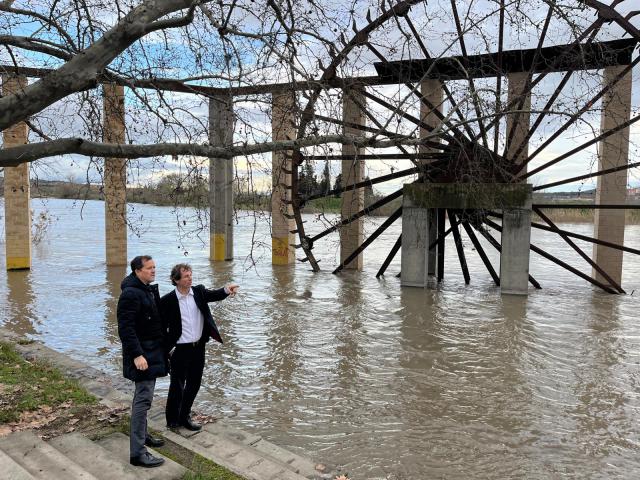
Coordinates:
[482,129]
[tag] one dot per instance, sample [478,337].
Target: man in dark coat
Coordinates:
[144,355]
[190,325]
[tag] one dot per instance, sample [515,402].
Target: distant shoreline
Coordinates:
[262,202]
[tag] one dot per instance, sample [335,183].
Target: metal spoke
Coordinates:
[559,262]
[465,64]
[297,212]
[414,90]
[494,243]
[387,133]
[574,117]
[458,241]
[481,252]
[556,93]
[386,224]
[392,254]
[496,130]
[454,105]
[526,89]
[594,28]
[586,238]
[365,183]
[376,122]
[440,213]
[564,156]
[381,156]
[355,216]
[587,206]
[580,252]
[588,175]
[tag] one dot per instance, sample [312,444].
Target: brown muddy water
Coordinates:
[457,382]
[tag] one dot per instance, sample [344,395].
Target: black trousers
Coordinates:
[187,364]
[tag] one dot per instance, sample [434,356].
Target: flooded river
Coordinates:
[457,382]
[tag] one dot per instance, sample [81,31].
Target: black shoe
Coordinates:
[191,425]
[153,442]
[146,460]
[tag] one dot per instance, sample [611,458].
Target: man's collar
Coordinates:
[180,295]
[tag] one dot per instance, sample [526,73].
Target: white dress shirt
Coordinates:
[192,318]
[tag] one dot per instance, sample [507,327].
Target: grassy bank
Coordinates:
[36,395]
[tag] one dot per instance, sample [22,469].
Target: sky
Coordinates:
[185,117]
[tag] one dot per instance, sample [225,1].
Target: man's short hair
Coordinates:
[176,271]
[138,262]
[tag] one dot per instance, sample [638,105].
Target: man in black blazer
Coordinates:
[190,325]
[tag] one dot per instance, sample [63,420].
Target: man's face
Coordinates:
[185,280]
[147,273]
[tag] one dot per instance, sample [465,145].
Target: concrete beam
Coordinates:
[221,122]
[469,196]
[115,177]
[351,236]
[17,211]
[283,128]
[612,188]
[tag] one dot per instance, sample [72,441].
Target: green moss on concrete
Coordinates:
[467,196]
[200,468]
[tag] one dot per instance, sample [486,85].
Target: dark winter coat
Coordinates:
[170,309]
[141,329]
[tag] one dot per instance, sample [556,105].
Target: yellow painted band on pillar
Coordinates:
[219,242]
[18,263]
[280,250]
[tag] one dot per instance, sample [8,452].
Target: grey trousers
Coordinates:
[141,404]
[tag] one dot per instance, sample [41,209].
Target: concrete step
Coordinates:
[11,470]
[118,445]
[94,458]
[41,460]
[295,463]
[240,459]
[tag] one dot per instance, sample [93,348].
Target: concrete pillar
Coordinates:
[221,180]
[516,223]
[415,242]
[115,178]
[431,90]
[519,121]
[612,188]
[17,212]
[514,259]
[283,128]
[351,236]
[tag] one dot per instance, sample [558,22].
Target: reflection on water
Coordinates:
[18,313]
[457,382]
